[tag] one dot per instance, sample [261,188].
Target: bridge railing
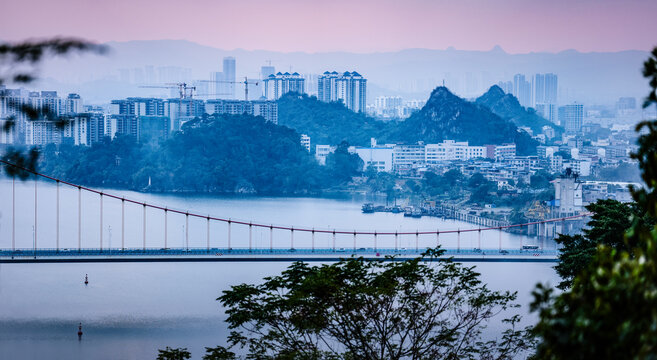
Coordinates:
[246,251]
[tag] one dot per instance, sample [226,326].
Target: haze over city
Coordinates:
[322,180]
[518,26]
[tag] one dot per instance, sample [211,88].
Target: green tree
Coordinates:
[610,310]
[173,354]
[610,220]
[343,165]
[423,308]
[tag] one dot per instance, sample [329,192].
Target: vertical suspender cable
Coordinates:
[250,237]
[479,239]
[13,213]
[144,230]
[35,213]
[207,245]
[458,240]
[229,248]
[166,216]
[187,231]
[122,224]
[57,220]
[79,219]
[417,241]
[271,238]
[101,221]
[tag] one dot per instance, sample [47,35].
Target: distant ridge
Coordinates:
[508,107]
[412,73]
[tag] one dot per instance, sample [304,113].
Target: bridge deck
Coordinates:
[261,255]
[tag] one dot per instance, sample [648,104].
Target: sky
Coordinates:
[364,26]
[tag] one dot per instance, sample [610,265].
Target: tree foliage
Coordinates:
[343,164]
[173,354]
[221,154]
[327,123]
[610,312]
[610,220]
[360,309]
[19,64]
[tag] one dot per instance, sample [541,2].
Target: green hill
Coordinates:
[507,106]
[447,116]
[327,123]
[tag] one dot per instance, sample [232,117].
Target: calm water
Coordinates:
[128,311]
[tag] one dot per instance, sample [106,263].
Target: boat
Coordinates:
[396,209]
[530,247]
[408,211]
[416,213]
[368,208]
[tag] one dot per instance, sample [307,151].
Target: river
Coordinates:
[129,310]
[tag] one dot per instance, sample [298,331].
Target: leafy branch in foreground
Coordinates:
[610,312]
[19,64]
[425,308]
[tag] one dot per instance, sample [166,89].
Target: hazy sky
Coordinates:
[519,26]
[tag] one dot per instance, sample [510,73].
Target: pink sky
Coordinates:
[519,26]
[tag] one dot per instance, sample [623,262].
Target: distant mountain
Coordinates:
[447,116]
[507,107]
[411,73]
[327,123]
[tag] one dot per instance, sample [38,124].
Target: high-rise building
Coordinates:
[551,88]
[522,90]
[349,87]
[544,89]
[229,76]
[265,71]
[279,84]
[506,86]
[571,118]
[548,111]
[265,108]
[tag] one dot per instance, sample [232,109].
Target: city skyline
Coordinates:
[559,25]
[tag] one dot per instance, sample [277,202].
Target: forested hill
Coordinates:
[447,116]
[222,154]
[507,106]
[327,123]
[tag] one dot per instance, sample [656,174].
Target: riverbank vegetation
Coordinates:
[218,154]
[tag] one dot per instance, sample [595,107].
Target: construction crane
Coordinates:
[246,83]
[185,92]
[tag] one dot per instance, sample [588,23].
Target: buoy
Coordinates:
[86,279]
[80,331]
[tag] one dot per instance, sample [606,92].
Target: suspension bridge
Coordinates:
[301,243]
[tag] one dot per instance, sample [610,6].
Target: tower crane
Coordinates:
[246,83]
[185,92]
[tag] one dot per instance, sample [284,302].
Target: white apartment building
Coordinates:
[279,84]
[450,150]
[499,152]
[407,157]
[349,87]
[305,142]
